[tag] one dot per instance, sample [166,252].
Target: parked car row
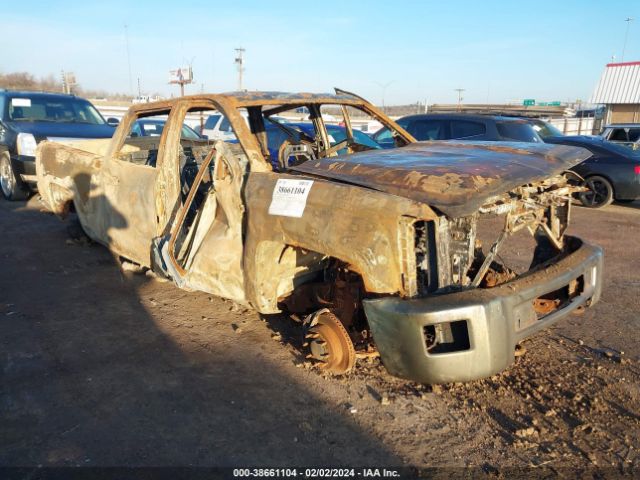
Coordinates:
[444,126]
[611,173]
[26,118]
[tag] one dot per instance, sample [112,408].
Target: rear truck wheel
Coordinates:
[329,344]
[600,192]
[11,186]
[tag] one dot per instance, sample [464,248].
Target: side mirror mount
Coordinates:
[113,121]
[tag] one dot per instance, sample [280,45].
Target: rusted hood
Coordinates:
[457,178]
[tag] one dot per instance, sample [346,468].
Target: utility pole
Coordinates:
[459,90]
[384,87]
[68,82]
[240,64]
[201,111]
[126,39]
[626,35]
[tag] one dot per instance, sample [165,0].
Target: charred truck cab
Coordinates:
[392,252]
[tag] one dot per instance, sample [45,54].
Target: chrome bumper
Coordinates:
[491,321]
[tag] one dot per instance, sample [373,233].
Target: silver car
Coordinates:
[623,133]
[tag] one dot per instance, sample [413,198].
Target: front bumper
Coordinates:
[24,167]
[496,319]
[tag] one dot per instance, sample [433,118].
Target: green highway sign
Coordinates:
[530,102]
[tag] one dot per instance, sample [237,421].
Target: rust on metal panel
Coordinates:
[455,177]
[340,221]
[56,167]
[229,103]
[215,264]
[113,199]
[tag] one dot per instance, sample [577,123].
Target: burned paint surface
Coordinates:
[125,205]
[339,221]
[371,225]
[455,177]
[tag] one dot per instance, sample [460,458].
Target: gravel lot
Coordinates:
[105,367]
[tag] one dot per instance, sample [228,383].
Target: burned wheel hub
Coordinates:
[330,345]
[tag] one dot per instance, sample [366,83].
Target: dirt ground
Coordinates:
[102,367]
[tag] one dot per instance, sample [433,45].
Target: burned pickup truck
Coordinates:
[372,250]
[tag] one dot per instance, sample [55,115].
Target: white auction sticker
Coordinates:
[290,197]
[20,102]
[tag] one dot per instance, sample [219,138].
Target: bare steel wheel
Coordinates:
[330,345]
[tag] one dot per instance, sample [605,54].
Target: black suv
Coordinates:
[459,126]
[27,118]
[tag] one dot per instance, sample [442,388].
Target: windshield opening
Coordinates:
[294,133]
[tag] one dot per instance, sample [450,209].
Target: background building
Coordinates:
[619,91]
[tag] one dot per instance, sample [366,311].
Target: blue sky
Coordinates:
[496,50]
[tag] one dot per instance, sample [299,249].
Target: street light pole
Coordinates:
[626,35]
